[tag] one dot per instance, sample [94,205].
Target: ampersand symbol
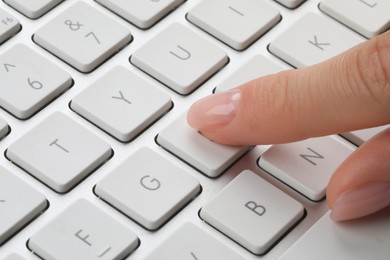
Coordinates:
[73,26]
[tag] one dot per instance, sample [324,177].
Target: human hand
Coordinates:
[348,92]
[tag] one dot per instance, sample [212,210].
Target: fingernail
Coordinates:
[215,110]
[361,201]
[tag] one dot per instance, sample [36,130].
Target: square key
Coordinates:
[252,212]
[148,188]
[29,81]
[209,157]
[19,204]
[9,26]
[179,58]
[59,152]
[122,104]
[83,231]
[238,23]
[33,8]
[191,242]
[142,14]
[83,36]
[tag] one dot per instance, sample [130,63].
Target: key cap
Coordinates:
[4,128]
[210,158]
[307,165]
[28,82]
[154,191]
[59,152]
[191,58]
[19,204]
[362,239]
[9,26]
[361,136]
[367,17]
[191,242]
[13,257]
[143,14]
[256,67]
[252,212]
[83,231]
[238,23]
[116,103]
[313,39]
[290,3]
[83,37]
[33,9]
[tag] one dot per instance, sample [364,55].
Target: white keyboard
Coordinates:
[99,162]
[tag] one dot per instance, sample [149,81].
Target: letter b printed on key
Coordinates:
[254,207]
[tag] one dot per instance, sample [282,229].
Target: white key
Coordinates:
[83,231]
[313,39]
[14,257]
[154,191]
[143,14]
[252,212]
[59,152]
[362,239]
[191,242]
[359,137]
[19,204]
[33,9]
[291,3]
[28,82]
[307,165]
[116,103]
[4,128]
[256,67]
[179,58]
[238,23]
[83,36]
[367,17]
[9,26]
[186,143]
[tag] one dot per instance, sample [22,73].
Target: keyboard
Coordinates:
[98,160]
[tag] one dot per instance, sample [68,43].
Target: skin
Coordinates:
[348,92]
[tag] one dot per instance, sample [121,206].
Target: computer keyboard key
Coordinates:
[290,3]
[312,39]
[252,212]
[257,66]
[19,204]
[59,152]
[83,36]
[143,14]
[28,81]
[4,128]
[359,137]
[238,23]
[366,238]
[9,26]
[191,242]
[210,158]
[367,17]
[33,9]
[179,58]
[83,231]
[122,104]
[306,165]
[14,256]
[148,188]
